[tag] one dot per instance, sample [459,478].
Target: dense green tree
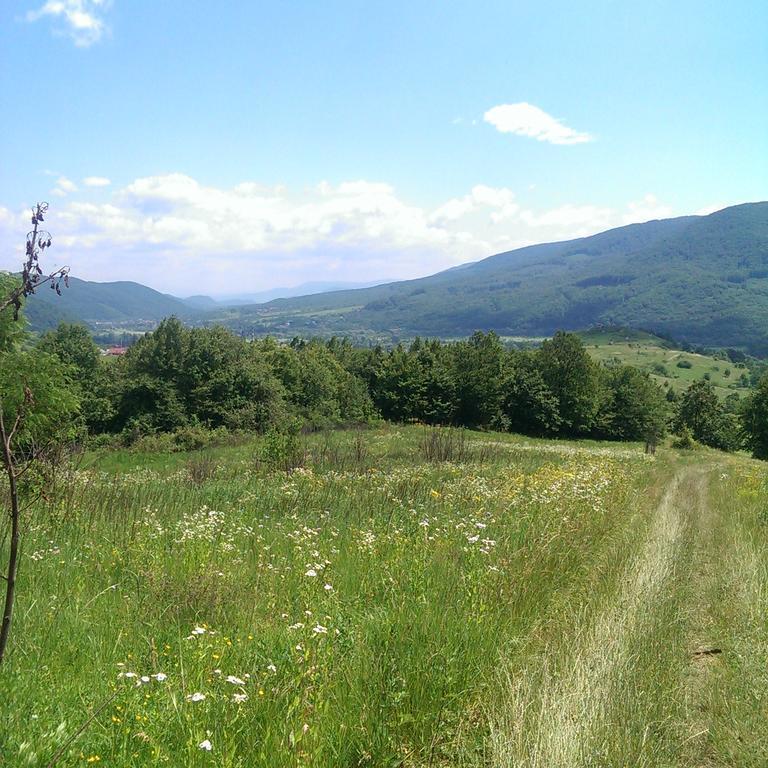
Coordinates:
[755,420]
[529,406]
[317,385]
[398,386]
[573,379]
[177,376]
[73,345]
[225,382]
[93,377]
[438,399]
[479,366]
[703,413]
[161,354]
[635,408]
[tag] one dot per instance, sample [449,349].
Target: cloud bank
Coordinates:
[178,235]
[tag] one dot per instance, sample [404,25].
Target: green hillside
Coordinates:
[701,279]
[668,365]
[98,304]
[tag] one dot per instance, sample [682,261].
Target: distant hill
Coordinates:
[200,302]
[102,303]
[701,279]
[132,304]
[305,289]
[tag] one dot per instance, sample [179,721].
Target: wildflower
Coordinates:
[198,631]
[239,698]
[144,679]
[206,745]
[319,629]
[197,696]
[311,572]
[160,677]
[272,668]
[328,588]
[235,680]
[93,759]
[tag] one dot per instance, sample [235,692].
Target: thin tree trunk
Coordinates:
[13,557]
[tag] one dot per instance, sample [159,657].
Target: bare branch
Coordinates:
[32,275]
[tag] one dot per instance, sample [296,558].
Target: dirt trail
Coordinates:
[572,697]
[704,651]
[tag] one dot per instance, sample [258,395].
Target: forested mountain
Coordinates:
[102,303]
[702,279]
[126,303]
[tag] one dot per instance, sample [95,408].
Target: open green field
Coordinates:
[652,354]
[521,603]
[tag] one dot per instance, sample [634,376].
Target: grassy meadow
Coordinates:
[657,357]
[394,597]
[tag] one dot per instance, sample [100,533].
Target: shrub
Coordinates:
[103,441]
[201,468]
[162,442]
[443,444]
[281,450]
[684,364]
[684,439]
[196,437]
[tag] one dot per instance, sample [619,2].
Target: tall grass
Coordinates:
[360,609]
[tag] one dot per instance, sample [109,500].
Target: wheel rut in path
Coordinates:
[572,697]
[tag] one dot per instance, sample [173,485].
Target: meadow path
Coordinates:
[632,681]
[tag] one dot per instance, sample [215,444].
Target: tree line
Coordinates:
[176,380]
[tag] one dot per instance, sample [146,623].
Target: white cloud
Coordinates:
[526,119]
[647,209]
[176,234]
[96,181]
[712,208]
[499,200]
[82,19]
[575,219]
[64,186]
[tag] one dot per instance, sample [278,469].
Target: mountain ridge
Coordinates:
[700,279]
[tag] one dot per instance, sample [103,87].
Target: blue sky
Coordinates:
[249,145]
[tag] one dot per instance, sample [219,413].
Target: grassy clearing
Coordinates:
[518,604]
[652,354]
